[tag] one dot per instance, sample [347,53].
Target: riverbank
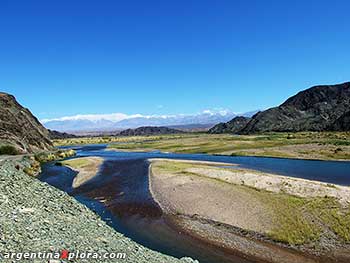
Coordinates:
[37,159]
[86,168]
[263,216]
[36,217]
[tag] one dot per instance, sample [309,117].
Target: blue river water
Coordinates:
[335,172]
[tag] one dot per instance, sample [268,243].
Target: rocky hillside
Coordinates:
[149,130]
[316,109]
[20,131]
[60,135]
[233,126]
[319,108]
[342,123]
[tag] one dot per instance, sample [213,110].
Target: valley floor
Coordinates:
[302,145]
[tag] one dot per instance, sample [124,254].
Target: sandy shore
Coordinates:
[213,203]
[310,151]
[276,183]
[193,195]
[87,168]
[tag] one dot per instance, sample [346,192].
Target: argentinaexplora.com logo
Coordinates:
[64,254]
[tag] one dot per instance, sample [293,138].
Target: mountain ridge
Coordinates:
[313,109]
[232,126]
[319,108]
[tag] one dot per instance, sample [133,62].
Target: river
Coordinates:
[120,195]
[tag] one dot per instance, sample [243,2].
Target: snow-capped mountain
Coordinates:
[119,121]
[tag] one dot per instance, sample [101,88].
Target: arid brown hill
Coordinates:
[19,129]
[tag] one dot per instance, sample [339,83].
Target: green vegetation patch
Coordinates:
[44,157]
[292,223]
[303,220]
[8,150]
[269,153]
[333,215]
[77,163]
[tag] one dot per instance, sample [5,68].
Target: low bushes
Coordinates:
[8,149]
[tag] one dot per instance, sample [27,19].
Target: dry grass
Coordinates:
[77,163]
[87,168]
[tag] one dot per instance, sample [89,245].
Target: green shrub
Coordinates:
[30,171]
[44,157]
[8,149]
[41,157]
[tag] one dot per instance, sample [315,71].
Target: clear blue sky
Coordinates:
[67,57]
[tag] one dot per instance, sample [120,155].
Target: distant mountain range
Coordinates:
[78,124]
[319,108]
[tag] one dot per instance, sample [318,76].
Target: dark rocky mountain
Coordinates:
[60,135]
[315,109]
[19,129]
[149,130]
[319,108]
[233,126]
[342,123]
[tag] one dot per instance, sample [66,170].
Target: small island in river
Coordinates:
[86,168]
